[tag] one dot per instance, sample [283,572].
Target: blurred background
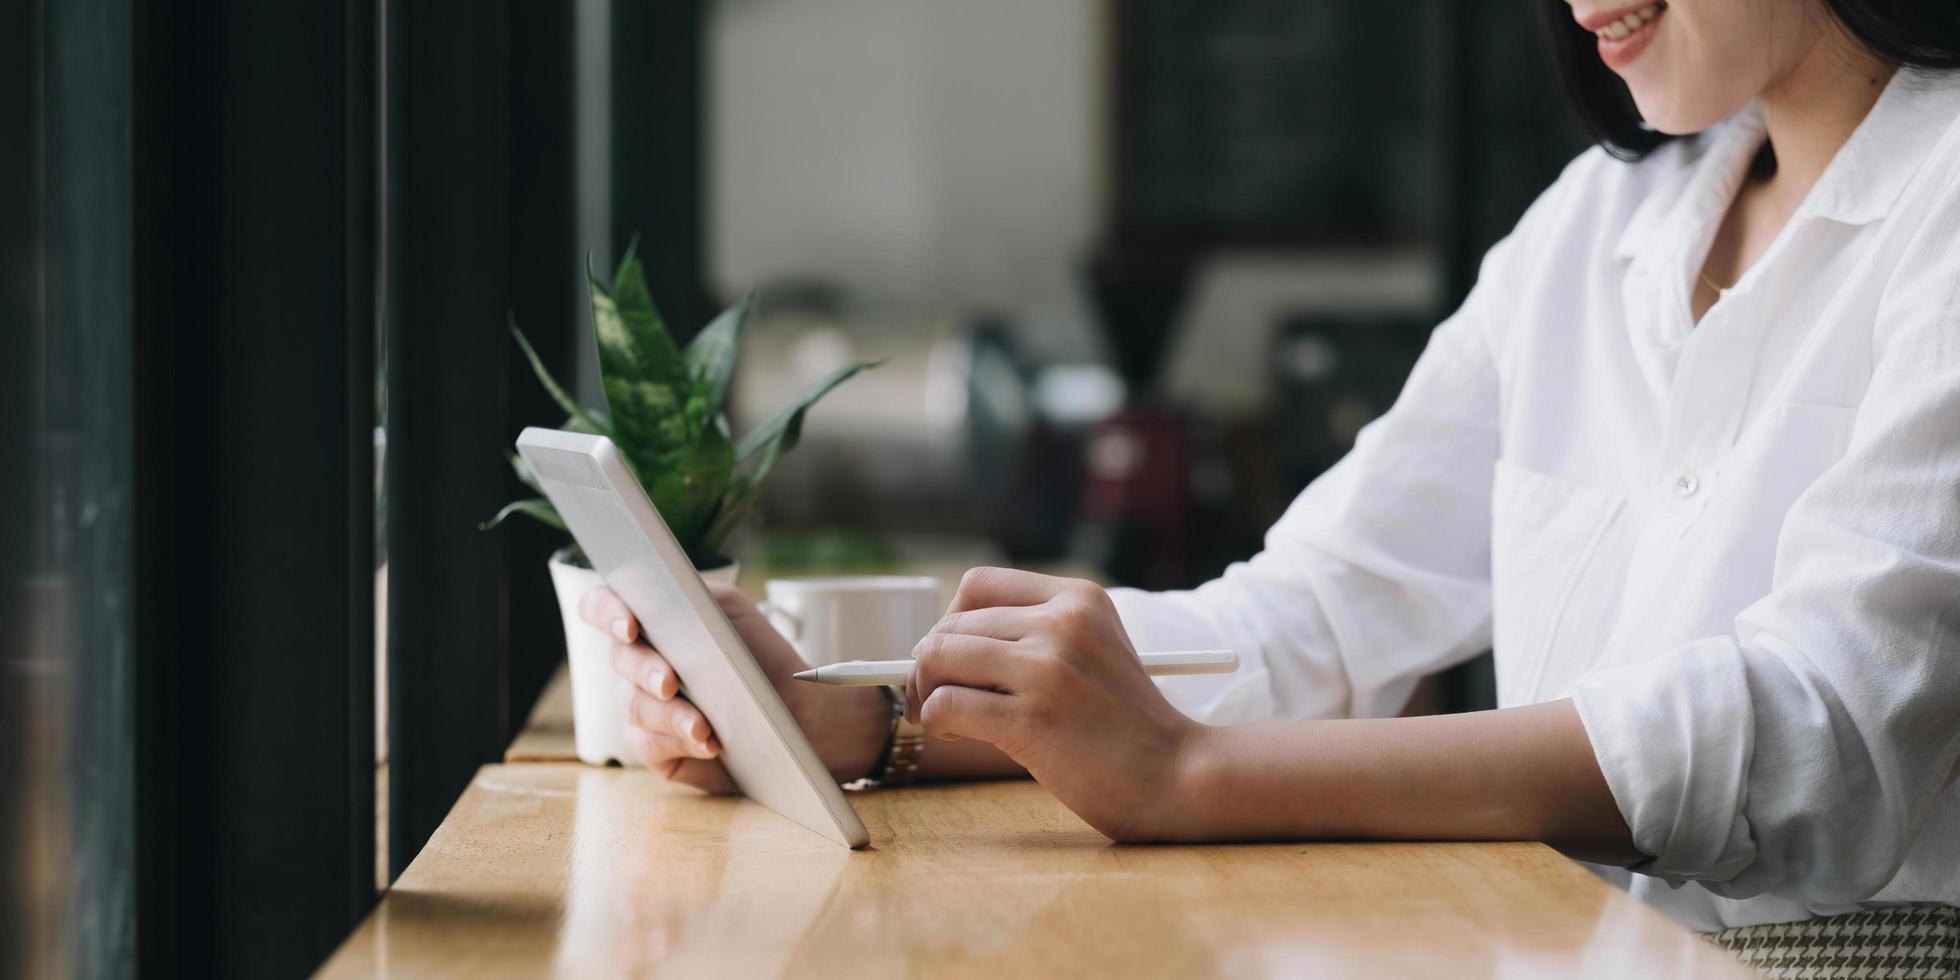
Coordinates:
[1138,271]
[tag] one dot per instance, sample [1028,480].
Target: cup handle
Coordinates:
[782,619]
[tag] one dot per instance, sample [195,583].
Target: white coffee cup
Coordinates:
[855,617]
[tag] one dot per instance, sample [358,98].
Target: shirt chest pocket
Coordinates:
[1546,536]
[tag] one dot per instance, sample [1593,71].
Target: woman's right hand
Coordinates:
[669,735]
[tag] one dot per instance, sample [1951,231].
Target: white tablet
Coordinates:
[629,544]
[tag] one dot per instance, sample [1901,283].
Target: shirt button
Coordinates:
[1686,486]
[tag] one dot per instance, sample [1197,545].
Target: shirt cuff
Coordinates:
[1160,621]
[1673,736]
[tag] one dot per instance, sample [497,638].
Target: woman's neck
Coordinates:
[1809,113]
[1812,110]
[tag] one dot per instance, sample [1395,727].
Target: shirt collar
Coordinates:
[1715,163]
[1861,184]
[1872,169]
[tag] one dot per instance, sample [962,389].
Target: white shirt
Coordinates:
[1734,544]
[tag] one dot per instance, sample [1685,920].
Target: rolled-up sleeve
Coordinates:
[1800,754]
[1377,574]
[1380,571]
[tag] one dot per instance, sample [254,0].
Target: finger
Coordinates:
[963,712]
[999,622]
[677,717]
[641,667]
[602,609]
[665,745]
[967,661]
[984,586]
[707,775]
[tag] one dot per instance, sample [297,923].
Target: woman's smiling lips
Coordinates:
[1624,33]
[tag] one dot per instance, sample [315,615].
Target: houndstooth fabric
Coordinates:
[1914,942]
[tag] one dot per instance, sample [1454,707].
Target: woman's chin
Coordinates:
[1667,113]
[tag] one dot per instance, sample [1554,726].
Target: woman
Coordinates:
[1688,458]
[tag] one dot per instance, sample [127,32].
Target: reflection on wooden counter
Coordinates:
[605,872]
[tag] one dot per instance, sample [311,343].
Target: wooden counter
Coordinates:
[567,870]
[547,734]
[550,867]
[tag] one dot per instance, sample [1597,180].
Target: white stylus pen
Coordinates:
[885,673]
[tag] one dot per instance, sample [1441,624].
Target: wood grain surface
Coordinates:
[548,734]
[559,869]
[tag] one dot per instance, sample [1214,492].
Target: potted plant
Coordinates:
[666,410]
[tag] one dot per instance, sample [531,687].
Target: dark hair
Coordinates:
[1922,34]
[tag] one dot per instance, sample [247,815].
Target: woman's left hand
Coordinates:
[1041,668]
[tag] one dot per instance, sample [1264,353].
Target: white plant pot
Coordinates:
[598,726]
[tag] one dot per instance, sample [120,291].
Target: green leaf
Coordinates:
[780,434]
[765,446]
[592,423]
[659,413]
[633,329]
[551,386]
[688,487]
[743,493]
[537,509]
[642,372]
[523,471]
[711,354]
[631,256]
